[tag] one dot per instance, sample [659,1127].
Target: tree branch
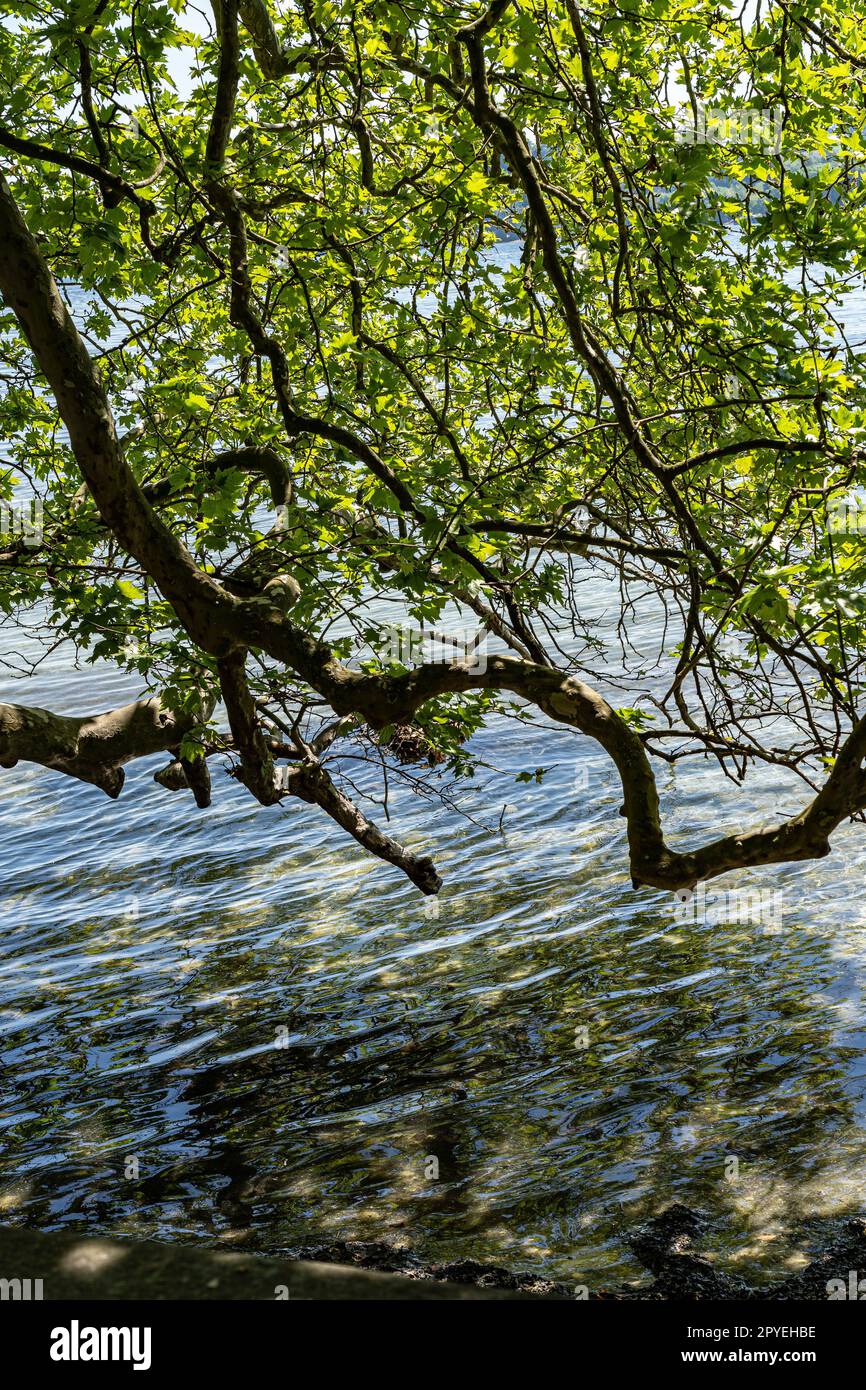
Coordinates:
[312,783]
[93,748]
[257,770]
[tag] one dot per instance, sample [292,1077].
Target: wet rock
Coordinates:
[664,1245]
[667,1245]
[845,1256]
[397,1259]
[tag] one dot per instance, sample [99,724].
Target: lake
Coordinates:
[229,1026]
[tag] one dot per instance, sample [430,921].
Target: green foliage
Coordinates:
[712,275]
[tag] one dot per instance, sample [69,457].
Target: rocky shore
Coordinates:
[71,1266]
[668,1246]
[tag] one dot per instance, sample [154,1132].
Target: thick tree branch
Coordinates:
[93,748]
[221,624]
[29,289]
[256,770]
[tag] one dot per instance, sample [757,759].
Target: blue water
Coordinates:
[232,1026]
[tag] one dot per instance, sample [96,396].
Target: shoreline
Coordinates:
[54,1266]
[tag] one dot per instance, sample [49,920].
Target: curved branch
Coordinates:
[221,624]
[269,54]
[252,458]
[30,291]
[114,188]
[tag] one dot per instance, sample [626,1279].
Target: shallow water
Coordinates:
[273,1029]
[232,1025]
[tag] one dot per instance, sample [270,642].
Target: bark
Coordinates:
[93,748]
[256,771]
[224,626]
[31,292]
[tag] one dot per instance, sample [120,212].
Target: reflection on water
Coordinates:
[267,1028]
[230,1024]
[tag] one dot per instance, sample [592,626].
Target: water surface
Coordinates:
[278,1034]
[231,1025]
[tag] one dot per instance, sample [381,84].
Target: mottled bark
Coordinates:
[256,771]
[92,748]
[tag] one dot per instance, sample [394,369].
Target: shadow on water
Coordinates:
[232,1027]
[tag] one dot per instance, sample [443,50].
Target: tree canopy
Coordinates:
[270,378]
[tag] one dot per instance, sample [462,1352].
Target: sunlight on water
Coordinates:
[278,1035]
[281,1037]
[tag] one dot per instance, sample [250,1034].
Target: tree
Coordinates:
[278,235]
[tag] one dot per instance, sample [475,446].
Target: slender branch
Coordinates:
[110,183]
[312,783]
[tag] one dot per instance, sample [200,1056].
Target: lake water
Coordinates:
[571,1056]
